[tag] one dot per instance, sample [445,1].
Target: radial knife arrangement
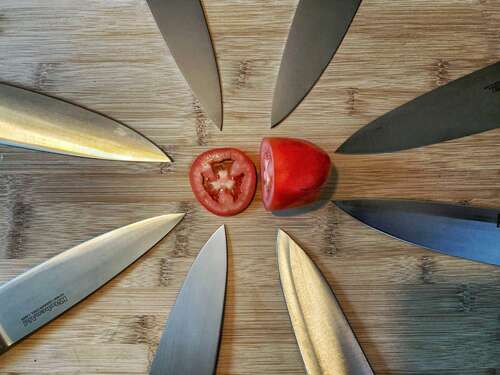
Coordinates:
[190,342]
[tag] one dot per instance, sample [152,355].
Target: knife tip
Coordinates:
[160,156]
[220,236]
[219,124]
[282,238]
[277,119]
[172,219]
[281,233]
[179,216]
[149,154]
[220,232]
[341,204]
[215,115]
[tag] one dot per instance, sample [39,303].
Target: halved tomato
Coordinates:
[293,172]
[223,180]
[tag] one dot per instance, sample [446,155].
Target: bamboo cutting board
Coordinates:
[414,311]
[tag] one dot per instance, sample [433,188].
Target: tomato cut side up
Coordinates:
[293,171]
[223,180]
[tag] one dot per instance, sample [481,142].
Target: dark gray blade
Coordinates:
[467,106]
[36,297]
[318,28]
[184,28]
[190,342]
[466,232]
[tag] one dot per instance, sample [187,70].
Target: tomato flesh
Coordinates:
[223,180]
[293,171]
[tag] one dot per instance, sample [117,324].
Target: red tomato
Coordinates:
[293,171]
[223,180]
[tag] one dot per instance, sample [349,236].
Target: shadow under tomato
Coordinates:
[324,198]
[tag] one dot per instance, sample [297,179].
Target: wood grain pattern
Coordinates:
[414,311]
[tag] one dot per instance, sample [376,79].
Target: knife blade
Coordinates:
[326,341]
[466,106]
[44,123]
[184,28]
[190,341]
[317,30]
[39,295]
[467,232]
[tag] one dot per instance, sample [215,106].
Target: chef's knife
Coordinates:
[317,30]
[326,341]
[40,122]
[41,294]
[467,232]
[184,28]
[190,342]
[463,107]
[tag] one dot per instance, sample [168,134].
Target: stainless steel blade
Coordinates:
[36,297]
[190,342]
[463,107]
[40,122]
[466,232]
[326,341]
[184,28]
[317,30]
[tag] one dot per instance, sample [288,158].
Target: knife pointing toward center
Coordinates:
[41,294]
[190,342]
[326,341]
[184,28]
[317,30]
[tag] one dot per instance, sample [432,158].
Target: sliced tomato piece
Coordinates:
[293,171]
[223,180]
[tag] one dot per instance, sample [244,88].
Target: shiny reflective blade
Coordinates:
[184,28]
[36,297]
[40,122]
[466,232]
[315,35]
[326,341]
[190,342]
[467,106]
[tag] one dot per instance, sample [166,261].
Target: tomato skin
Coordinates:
[223,180]
[293,171]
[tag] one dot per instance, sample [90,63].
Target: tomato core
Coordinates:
[223,180]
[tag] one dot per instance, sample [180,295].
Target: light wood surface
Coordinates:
[414,311]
